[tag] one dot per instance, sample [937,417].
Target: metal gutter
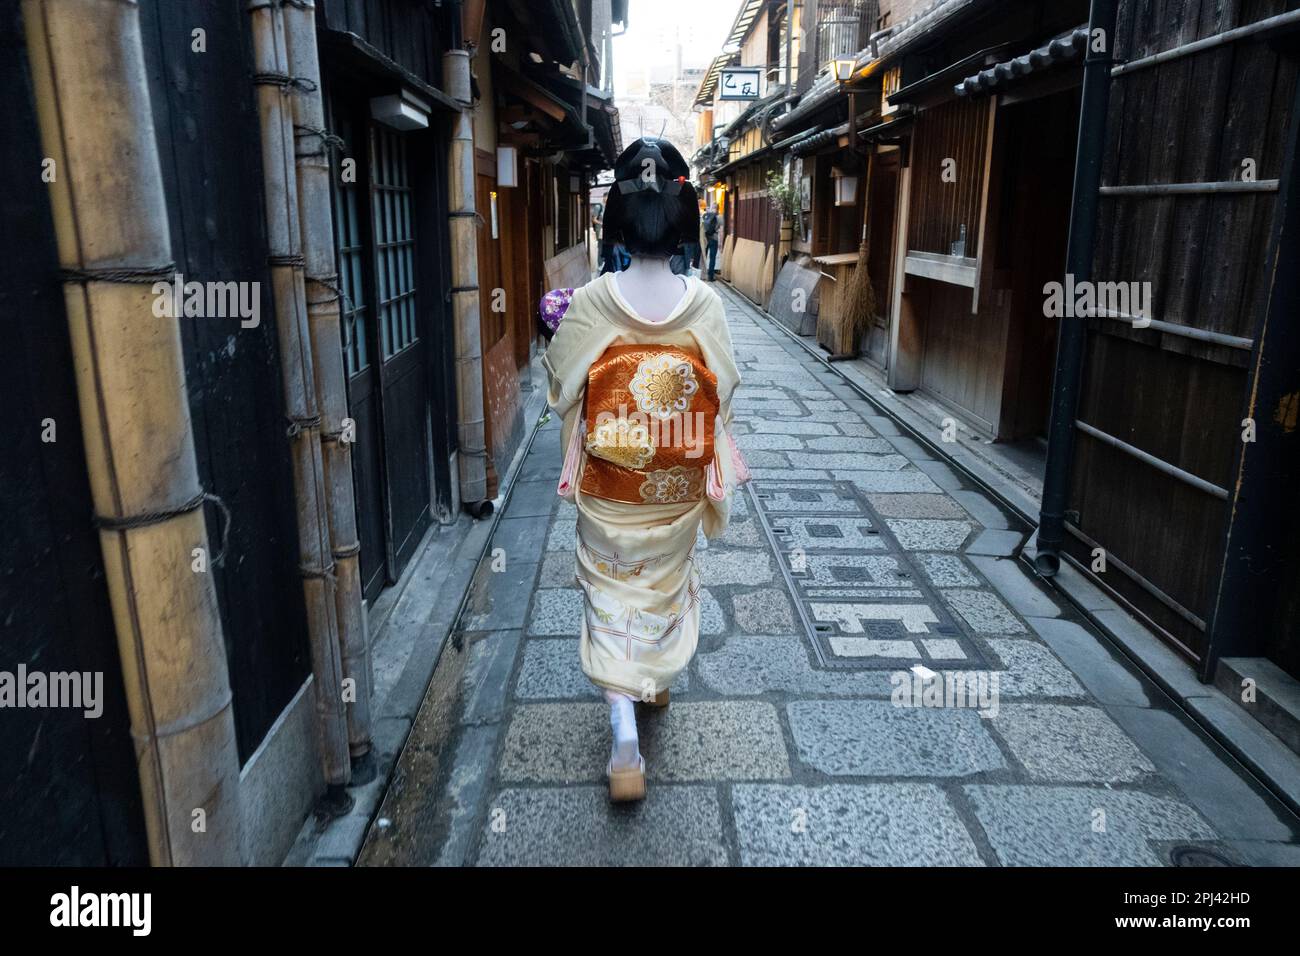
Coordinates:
[1084,210]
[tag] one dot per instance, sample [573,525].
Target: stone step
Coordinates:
[1276,702]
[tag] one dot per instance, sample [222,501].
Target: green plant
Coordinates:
[782,195]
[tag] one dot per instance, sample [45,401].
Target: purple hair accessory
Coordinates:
[553,306]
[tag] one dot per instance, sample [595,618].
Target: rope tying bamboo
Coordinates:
[300,425]
[181,726]
[324,574]
[146,276]
[281,4]
[297,262]
[327,138]
[147,518]
[331,284]
[284,81]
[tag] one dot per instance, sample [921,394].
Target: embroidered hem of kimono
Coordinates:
[641,609]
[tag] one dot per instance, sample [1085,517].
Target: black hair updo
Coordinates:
[652,207]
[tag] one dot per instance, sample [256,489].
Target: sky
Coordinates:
[656,26]
[647,51]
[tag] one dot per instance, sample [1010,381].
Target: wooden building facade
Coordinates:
[542,128]
[1184,447]
[390,214]
[233,203]
[1185,459]
[737,160]
[967,323]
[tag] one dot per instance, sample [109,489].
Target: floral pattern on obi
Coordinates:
[623,442]
[663,385]
[650,413]
[672,485]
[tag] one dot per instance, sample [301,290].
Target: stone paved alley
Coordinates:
[854,556]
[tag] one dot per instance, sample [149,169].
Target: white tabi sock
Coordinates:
[622,720]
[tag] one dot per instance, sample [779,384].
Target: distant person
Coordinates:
[712,226]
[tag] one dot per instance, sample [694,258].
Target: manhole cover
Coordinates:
[1197,856]
[859,599]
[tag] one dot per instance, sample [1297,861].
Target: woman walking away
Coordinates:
[641,370]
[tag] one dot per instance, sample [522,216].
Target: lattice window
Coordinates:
[349,240]
[391,214]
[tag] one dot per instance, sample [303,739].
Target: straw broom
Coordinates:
[859,295]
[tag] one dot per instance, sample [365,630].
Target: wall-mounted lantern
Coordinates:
[846,187]
[507,166]
[842,68]
[404,110]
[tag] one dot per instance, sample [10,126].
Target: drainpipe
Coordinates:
[273,81]
[462,222]
[323,298]
[110,219]
[789,49]
[1070,341]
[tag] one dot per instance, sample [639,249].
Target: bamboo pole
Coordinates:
[462,222]
[323,298]
[273,81]
[110,219]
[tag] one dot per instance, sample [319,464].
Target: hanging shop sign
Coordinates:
[738,83]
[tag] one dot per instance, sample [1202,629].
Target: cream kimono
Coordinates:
[635,562]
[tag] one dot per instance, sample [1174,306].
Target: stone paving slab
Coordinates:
[916,506]
[751,666]
[1082,826]
[556,612]
[895,824]
[577,826]
[1070,744]
[870,738]
[714,740]
[1031,670]
[1011,580]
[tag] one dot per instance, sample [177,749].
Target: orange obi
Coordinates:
[650,413]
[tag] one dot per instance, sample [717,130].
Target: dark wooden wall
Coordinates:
[1191,119]
[69,792]
[405,31]
[965,355]
[429,156]
[209,142]
[958,130]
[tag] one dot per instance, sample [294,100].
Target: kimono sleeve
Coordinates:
[567,358]
[722,359]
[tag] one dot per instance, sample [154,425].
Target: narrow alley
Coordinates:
[856,563]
